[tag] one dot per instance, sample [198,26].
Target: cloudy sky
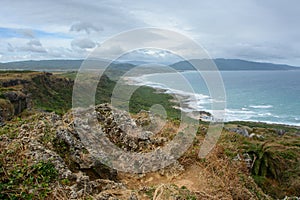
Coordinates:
[255,30]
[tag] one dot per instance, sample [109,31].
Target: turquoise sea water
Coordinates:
[267,96]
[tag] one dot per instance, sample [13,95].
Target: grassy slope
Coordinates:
[51,93]
[275,167]
[142,99]
[54,92]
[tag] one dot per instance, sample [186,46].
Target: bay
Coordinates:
[265,96]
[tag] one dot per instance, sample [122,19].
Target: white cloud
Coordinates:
[34,42]
[18,46]
[83,43]
[34,46]
[85,26]
[150,56]
[221,26]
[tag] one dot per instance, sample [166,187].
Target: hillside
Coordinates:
[44,91]
[232,65]
[35,90]
[42,154]
[44,65]
[43,157]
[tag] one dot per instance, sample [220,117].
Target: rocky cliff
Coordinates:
[27,90]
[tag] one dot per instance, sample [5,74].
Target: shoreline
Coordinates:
[185,98]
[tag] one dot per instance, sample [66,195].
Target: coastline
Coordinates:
[185,99]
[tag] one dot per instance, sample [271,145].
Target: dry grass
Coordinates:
[216,177]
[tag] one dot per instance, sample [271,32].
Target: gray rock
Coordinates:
[280,132]
[244,158]
[81,156]
[239,130]
[145,135]
[18,99]
[40,153]
[133,197]
[257,136]
[84,186]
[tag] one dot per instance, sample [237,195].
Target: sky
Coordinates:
[255,30]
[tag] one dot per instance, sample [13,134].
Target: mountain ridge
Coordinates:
[231,65]
[73,65]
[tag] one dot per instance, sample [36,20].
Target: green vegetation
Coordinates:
[275,159]
[264,125]
[51,94]
[145,97]
[276,168]
[149,192]
[142,99]
[20,176]
[25,181]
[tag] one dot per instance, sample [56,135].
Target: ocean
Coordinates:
[264,96]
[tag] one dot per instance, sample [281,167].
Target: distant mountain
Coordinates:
[43,65]
[73,65]
[54,65]
[230,65]
[136,62]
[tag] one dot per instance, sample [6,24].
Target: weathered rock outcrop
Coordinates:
[19,100]
[75,152]
[13,103]
[13,82]
[127,133]
[242,131]
[48,138]
[29,90]
[6,110]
